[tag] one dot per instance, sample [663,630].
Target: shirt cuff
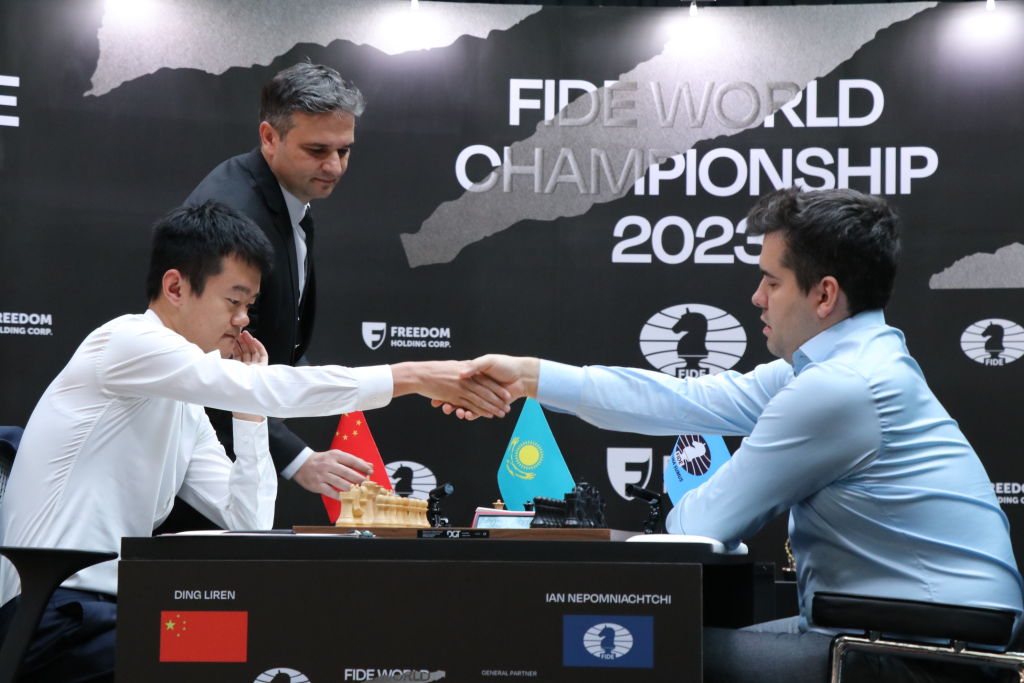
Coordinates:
[559,385]
[672,523]
[299,461]
[376,386]
[250,438]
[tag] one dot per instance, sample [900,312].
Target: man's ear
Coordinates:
[830,297]
[175,287]
[268,137]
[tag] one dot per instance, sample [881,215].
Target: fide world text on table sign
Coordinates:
[361,620]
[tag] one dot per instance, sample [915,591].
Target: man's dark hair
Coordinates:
[851,236]
[310,89]
[196,239]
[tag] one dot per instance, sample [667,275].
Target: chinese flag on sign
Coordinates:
[353,436]
[204,636]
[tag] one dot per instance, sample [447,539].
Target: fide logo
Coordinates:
[608,641]
[691,453]
[281,675]
[692,340]
[411,479]
[994,342]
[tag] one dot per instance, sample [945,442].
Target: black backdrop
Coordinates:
[122,107]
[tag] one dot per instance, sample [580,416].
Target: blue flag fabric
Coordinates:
[694,459]
[533,465]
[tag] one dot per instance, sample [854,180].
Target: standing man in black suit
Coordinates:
[307,128]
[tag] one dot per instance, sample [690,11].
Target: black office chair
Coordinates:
[41,571]
[949,627]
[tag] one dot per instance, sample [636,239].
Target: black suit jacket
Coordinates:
[278,319]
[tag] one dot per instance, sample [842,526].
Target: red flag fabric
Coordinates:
[353,436]
[204,636]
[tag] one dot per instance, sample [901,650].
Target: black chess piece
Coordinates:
[548,513]
[585,507]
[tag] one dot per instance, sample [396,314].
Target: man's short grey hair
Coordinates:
[310,89]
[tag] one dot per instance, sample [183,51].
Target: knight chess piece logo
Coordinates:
[374,334]
[282,675]
[994,342]
[608,641]
[411,479]
[691,453]
[691,340]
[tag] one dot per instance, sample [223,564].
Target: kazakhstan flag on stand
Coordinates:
[533,465]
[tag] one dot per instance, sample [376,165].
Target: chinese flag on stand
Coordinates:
[204,636]
[353,436]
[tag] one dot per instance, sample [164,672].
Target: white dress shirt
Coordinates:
[120,432]
[296,212]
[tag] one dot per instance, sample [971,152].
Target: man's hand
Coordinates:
[249,350]
[331,471]
[517,375]
[453,382]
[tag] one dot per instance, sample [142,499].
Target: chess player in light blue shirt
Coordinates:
[885,494]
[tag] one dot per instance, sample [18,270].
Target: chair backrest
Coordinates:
[10,439]
[913,618]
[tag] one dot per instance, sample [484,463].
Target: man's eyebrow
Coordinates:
[242,289]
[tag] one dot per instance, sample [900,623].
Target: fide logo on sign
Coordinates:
[994,342]
[275,676]
[691,453]
[692,340]
[608,641]
[411,479]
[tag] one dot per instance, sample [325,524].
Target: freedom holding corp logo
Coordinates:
[376,333]
[691,340]
[608,641]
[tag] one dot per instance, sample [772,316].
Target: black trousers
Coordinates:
[74,642]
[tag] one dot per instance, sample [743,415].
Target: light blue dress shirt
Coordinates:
[886,496]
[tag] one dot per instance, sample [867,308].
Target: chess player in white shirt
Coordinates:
[121,430]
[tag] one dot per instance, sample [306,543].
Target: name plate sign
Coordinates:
[326,621]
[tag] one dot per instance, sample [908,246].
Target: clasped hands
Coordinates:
[512,376]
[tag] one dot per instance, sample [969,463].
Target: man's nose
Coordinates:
[240,319]
[334,164]
[756,298]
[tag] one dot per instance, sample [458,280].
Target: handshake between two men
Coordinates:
[484,387]
[508,377]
